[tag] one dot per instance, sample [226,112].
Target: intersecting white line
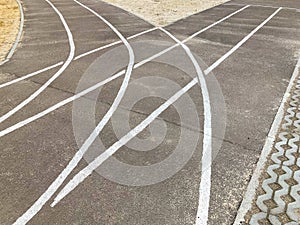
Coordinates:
[94,87]
[28,215]
[55,76]
[84,173]
[116,43]
[37,206]
[205,180]
[76,58]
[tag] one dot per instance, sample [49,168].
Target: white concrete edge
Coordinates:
[254,182]
[15,45]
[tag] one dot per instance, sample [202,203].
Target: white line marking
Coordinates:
[30,75]
[56,75]
[44,198]
[36,207]
[155,28]
[219,61]
[58,105]
[76,58]
[150,30]
[94,87]
[264,6]
[12,50]
[114,43]
[170,102]
[216,23]
[205,182]
[53,187]
[254,182]
[80,177]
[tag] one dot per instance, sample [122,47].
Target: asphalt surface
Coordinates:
[252,79]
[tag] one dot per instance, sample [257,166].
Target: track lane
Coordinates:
[225,73]
[207,155]
[121,73]
[36,207]
[55,76]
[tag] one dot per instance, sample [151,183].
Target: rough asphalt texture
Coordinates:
[253,81]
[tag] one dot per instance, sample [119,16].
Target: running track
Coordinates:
[252,51]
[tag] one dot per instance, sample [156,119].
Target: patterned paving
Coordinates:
[278,200]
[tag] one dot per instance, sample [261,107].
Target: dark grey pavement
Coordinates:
[252,80]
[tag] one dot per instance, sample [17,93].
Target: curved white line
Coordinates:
[56,75]
[94,87]
[80,177]
[202,217]
[76,58]
[205,182]
[36,207]
[12,50]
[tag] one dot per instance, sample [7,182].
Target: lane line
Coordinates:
[270,140]
[114,43]
[56,75]
[17,41]
[37,206]
[219,61]
[80,177]
[30,75]
[84,173]
[216,23]
[94,87]
[76,58]
[150,30]
[205,181]
[52,189]
[264,6]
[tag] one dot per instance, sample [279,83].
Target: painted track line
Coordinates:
[30,75]
[270,140]
[219,61]
[136,35]
[114,43]
[37,206]
[76,58]
[216,23]
[84,173]
[205,182]
[56,75]
[263,6]
[94,87]
[44,198]
[12,50]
